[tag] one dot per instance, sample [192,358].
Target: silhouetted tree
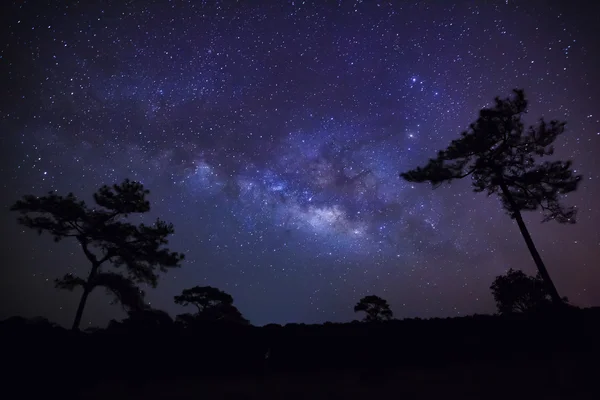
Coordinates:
[203,297]
[376,308]
[212,304]
[518,292]
[502,157]
[105,238]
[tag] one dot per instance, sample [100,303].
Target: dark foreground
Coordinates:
[531,380]
[481,357]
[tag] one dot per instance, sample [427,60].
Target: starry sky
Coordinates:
[272,134]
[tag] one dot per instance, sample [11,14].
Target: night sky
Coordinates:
[272,134]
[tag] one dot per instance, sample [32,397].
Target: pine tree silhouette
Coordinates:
[503,157]
[105,238]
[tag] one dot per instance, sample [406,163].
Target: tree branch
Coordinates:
[106,258]
[90,256]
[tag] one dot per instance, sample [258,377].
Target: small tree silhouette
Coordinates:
[376,308]
[501,157]
[212,304]
[518,292]
[105,238]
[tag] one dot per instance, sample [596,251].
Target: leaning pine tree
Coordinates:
[106,238]
[503,157]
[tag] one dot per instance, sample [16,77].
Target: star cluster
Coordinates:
[272,135]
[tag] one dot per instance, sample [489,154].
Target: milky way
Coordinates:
[272,136]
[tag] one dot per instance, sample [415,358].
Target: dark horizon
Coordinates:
[272,137]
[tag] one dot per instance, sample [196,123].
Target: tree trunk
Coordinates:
[79,313]
[556,299]
[87,288]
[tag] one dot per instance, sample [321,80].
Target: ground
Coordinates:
[548,380]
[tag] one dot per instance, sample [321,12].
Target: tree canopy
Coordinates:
[139,252]
[212,305]
[376,308]
[498,150]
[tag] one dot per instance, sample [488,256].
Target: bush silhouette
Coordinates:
[517,292]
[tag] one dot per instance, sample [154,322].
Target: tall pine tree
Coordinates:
[503,157]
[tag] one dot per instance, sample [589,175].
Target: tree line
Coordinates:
[497,152]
